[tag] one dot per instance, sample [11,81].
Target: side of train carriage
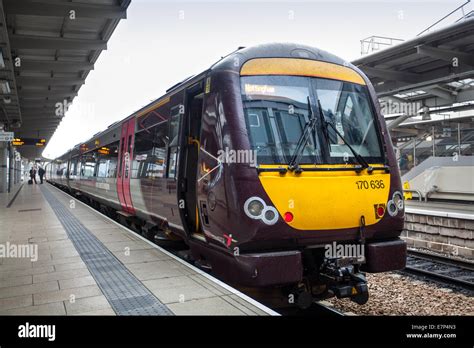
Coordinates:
[320,172]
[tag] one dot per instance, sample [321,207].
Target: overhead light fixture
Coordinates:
[16,124]
[4,87]
[7,100]
[2,62]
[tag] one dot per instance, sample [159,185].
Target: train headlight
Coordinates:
[253,207]
[398,200]
[256,208]
[270,216]
[392,208]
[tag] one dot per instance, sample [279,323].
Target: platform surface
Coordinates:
[60,257]
[441,209]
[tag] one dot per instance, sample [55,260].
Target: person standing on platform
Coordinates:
[33,175]
[41,173]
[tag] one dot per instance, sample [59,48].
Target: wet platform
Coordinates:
[61,257]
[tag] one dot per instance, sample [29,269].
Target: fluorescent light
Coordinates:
[4,87]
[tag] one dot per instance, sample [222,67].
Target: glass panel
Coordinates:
[108,158]
[174,125]
[88,165]
[172,162]
[150,152]
[439,139]
[276,111]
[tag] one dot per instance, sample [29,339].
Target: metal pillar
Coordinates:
[11,167]
[3,167]
[459,139]
[434,140]
[414,152]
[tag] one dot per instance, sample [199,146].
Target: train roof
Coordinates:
[236,59]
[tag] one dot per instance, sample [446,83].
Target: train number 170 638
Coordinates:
[372,184]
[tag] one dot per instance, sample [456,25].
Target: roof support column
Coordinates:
[3,167]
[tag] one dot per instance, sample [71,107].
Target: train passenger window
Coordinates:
[156,164]
[107,160]
[71,168]
[79,167]
[88,165]
[150,152]
[74,167]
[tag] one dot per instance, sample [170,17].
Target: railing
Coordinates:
[464,15]
[418,192]
[376,43]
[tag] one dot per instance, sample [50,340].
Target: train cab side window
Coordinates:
[174,124]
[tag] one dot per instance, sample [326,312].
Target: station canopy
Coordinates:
[426,89]
[48,47]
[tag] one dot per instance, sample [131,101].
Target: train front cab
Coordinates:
[347,200]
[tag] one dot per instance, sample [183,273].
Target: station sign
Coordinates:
[6,136]
[104,150]
[84,148]
[29,141]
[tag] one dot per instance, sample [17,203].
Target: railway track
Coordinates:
[442,269]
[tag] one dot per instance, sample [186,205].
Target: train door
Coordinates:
[125,163]
[187,173]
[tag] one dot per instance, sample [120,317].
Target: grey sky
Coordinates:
[162,42]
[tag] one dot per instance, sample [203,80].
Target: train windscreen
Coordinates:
[277,108]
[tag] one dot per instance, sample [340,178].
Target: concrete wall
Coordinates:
[446,235]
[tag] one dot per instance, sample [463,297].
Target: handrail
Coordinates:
[418,192]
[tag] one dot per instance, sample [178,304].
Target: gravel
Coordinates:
[396,294]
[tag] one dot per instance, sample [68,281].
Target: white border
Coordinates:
[195,269]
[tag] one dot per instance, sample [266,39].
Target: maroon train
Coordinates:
[274,167]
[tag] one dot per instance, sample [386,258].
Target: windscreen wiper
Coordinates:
[308,128]
[325,124]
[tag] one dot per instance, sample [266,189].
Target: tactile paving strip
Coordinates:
[125,293]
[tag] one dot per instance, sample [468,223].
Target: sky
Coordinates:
[162,42]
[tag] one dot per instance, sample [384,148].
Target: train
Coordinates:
[273,168]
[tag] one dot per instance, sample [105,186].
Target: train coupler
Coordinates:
[345,281]
[358,292]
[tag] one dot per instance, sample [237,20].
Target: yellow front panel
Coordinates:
[327,200]
[300,67]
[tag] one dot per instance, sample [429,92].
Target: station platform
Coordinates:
[441,209]
[58,256]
